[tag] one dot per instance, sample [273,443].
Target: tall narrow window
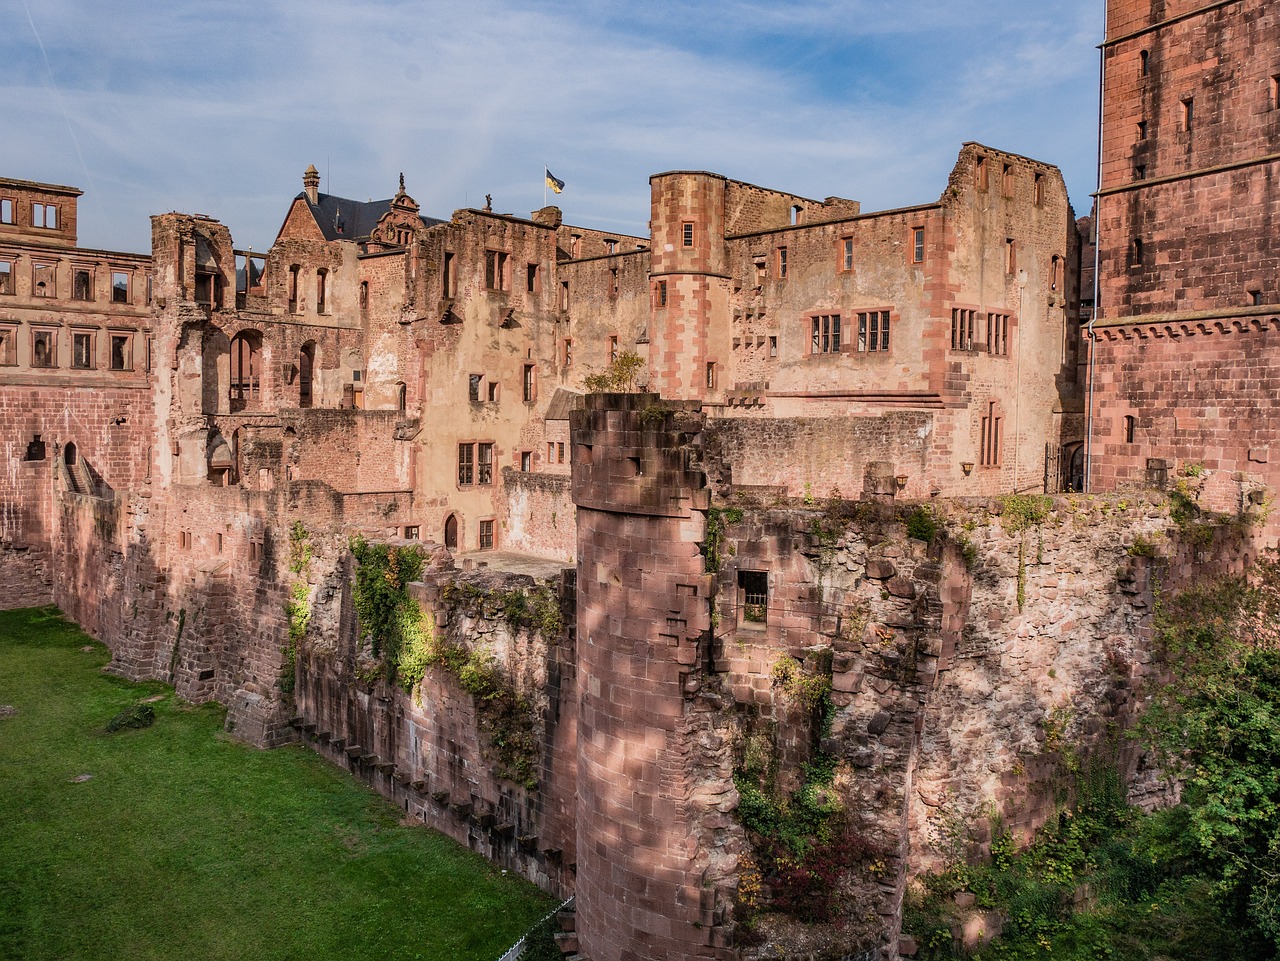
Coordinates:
[998,334]
[44,215]
[474,382]
[688,234]
[484,463]
[495,270]
[980,173]
[1145,66]
[962,328]
[1142,130]
[121,352]
[8,346]
[567,352]
[293,288]
[1275,92]
[244,369]
[564,295]
[1055,272]
[43,280]
[613,281]
[322,291]
[119,287]
[662,293]
[917,245]
[825,330]
[846,261]
[1188,113]
[753,599]
[44,348]
[782,263]
[447,279]
[613,347]
[1135,252]
[1038,189]
[82,285]
[486,535]
[364,295]
[711,375]
[6,276]
[1010,256]
[1130,426]
[1006,180]
[466,464]
[6,211]
[306,373]
[992,425]
[532,284]
[528,383]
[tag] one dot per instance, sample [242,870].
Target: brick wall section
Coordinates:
[537,514]
[646,887]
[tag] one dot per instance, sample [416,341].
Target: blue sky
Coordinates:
[218,107]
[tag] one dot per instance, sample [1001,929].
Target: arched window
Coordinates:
[402,397]
[451,532]
[306,372]
[69,454]
[246,348]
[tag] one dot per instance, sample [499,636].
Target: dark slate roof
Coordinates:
[343,219]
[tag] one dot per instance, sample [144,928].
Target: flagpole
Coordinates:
[545,168]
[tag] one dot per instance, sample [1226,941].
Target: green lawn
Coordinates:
[184,844]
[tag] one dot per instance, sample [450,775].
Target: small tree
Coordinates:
[619,377]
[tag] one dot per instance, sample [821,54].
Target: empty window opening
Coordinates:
[364,295]
[825,331]
[1255,298]
[1135,252]
[1142,130]
[753,599]
[6,277]
[492,387]
[782,263]
[44,348]
[613,281]
[711,375]
[998,334]
[1055,272]
[873,330]
[6,211]
[773,346]
[217,543]
[402,397]
[980,173]
[687,233]
[1006,180]
[532,281]
[1145,62]
[1188,113]
[1038,189]
[82,285]
[526,461]
[1010,256]
[610,245]
[43,280]
[306,374]
[35,449]
[1139,171]
[448,275]
[322,291]
[495,270]
[44,215]
[184,543]
[293,289]
[963,322]
[119,287]
[486,535]
[1275,92]
[567,352]
[613,348]
[992,427]
[761,271]
[474,382]
[8,346]
[528,384]
[917,245]
[795,214]
[564,295]
[1130,426]
[82,350]
[245,383]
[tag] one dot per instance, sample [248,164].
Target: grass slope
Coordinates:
[184,844]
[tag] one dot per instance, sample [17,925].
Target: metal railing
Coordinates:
[517,949]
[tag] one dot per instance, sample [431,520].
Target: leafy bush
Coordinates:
[137,716]
[922,524]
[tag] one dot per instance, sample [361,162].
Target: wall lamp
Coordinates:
[967,467]
[901,481]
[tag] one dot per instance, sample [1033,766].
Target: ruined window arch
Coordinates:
[451,532]
[246,381]
[306,374]
[402,397]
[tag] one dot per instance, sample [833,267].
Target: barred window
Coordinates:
[962,328]
[826,334]
[466,464]
[873,330]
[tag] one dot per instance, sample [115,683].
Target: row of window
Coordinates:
[497,276]
[1008,180]
[297,303]
[43,215]
[44,282]
[475,461]
[481,389]
[44,353]
[965,331]
[828,337]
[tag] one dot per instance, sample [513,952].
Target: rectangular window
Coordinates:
[613,281]
[184,542]
[44,215]
[991,441]
[773,346]
[846,256]
[120,289]
[486,535]
[44,348]
[688,234]
[495,270]
[613,348]
[82,285]
[980,173]
[962,328]
[610,245]
[1145,57]
[8,346]
[526,461]
[484,463]
[1275,96]
[1038,191]
[493,391]
[998,334]
[559,452]
[532,281]
[43,281]
[122,352]
[82,350]
[217,543]
[448,275]
[1188,113]
[1006,180]
[412,533]
[6,277]
[1010,256]
[466,465]
[753,599]
[551,452]
[761,271]
[528,384]
[825,329]
[782,263]
[564,295]
[873,330]
[711,375]
[567,352]
[322,290]
[917,245]
[1139,171]
[1142,130]
[6,211]
[662,293]
[474,381]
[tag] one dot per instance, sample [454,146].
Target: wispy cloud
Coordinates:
[863,98]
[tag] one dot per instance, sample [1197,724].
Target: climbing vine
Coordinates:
[298,607]
[1020,513]
[715,544]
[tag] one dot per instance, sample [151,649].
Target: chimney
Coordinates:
[311,184]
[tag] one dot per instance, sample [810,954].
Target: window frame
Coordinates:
[497,270]
[89,334]
[486,530]
[52,287]
[529,383]
[466,463]
[874,331]
[846,254]
[8,211]
[9,336]
[686,234]
[917,245]
[127,354]
[127,297]
[43,220]
[8,285]
[826,335]
[38,332]
[89,288]
[780,261]
[752,603]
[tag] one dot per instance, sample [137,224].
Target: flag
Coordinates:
[555,185]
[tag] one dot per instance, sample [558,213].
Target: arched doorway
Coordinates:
[69,454]
[451,532]
[246,348]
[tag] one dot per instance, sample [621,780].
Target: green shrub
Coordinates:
[137,716]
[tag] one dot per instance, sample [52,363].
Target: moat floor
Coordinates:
[172,841]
